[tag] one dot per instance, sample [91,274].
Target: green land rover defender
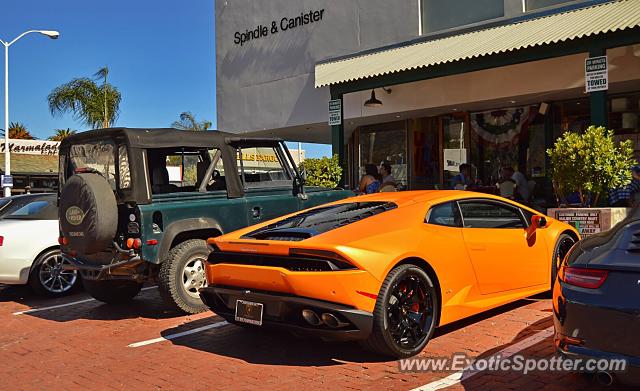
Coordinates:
[137,205]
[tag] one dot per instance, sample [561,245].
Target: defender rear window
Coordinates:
[100,157]
[319,220]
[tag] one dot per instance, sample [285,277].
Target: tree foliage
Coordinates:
[323,172]
[61,134]
[94,105]
[590,163]
[19,131]
[188,122]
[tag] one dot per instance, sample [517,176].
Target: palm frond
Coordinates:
[61,134]
[18,130]
[102,74]
[188,121]
[89,103]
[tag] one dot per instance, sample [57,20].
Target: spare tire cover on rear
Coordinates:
[88,213]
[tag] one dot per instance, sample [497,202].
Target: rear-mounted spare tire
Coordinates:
[88,213]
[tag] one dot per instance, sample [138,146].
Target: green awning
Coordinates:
[565,26]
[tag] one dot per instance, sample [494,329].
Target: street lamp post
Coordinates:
[7,158]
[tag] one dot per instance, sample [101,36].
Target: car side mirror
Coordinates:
[303,175]
[538,222]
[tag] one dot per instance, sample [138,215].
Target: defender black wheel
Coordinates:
[112,291]
[563,245]
[182,275]
[48,278]
[406,313]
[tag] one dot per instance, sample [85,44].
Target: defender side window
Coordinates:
[264,167]
[181,169]
[212,175]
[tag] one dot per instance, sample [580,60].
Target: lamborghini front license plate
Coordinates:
[249,312]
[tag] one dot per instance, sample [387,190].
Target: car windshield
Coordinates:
[3,204]
[31,208]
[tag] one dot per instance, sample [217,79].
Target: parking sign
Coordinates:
[335,112]
[7,180]
[596,74]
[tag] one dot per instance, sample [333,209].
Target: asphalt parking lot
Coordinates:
[76,342]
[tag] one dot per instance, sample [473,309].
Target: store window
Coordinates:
[500,139]
[536,148]
[624,119]
[425,167]
[385,143]
[571,116]
[455,131]
[441,15]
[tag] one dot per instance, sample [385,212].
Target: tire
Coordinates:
[182,274]
[88,213]
[112,291]
[382,339]
[47,278]
[562,247]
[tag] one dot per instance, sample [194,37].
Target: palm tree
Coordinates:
[95,105]
[188,122]
[61,134]
[19,131]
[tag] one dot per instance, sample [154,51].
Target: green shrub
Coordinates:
[590,163]
[323,172]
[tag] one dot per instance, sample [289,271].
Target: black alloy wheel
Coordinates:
[406,313]
[410,311]
[563,245]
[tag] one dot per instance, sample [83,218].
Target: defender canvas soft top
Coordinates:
[139,140]
[152,138]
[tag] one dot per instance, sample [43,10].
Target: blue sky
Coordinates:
[161,56]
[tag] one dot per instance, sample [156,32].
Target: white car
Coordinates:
[29,249]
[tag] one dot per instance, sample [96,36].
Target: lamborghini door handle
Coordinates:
[478,248]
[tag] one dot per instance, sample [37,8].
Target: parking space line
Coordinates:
[66,304]
[469,372]
[178,335]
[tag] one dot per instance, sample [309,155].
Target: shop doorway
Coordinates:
[425,157]
[455,146]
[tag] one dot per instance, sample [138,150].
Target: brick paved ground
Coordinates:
[85,346]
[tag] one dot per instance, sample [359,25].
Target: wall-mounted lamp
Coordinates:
[373,101]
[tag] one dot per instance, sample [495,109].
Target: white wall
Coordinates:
[268,83]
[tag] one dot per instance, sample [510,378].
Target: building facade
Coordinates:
[489,83]
[34,165]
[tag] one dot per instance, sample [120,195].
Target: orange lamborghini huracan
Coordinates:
[385,268]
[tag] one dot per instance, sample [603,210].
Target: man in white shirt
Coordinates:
[522,185]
